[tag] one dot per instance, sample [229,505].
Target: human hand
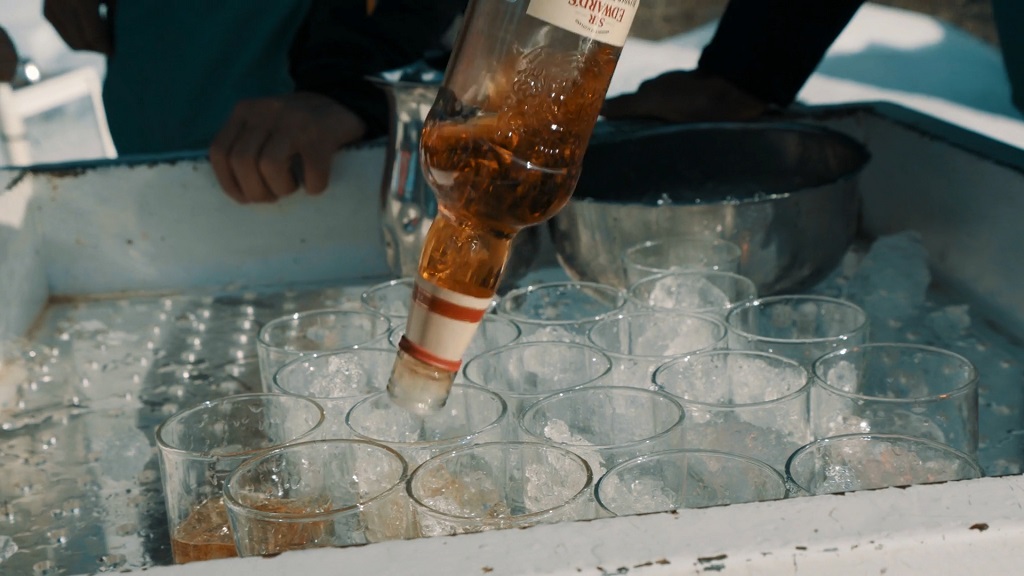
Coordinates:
[8,57]
[80,23]
[257,153]
[685,96]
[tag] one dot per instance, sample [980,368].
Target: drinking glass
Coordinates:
[681,253]
[500,485]
[606,424]
[318,494]
[525,372]
[202,445]
[493,332]
[639,342]
[337,380]
[709,292]
[741,402]
[471,415]
[801,327]
[561,311]
[897,388]
[868,461]
[391,298]
[686,479]
[316,331]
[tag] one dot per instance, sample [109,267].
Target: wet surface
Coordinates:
[81,397]
[79,403]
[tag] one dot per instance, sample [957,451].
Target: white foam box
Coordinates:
[163,226]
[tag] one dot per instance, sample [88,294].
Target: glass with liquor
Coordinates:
[200,447]
[502,147]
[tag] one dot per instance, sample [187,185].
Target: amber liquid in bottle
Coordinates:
[496,168]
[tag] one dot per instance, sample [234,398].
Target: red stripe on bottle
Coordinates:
[448,309]
[421,354]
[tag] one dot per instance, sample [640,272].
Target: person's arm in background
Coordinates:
[83,24]
[342,41]
[761,55]
[8,57]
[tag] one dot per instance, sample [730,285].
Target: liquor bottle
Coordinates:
[502,148]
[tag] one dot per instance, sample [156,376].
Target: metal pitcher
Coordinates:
[407,201]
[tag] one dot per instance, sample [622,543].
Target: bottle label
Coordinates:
[604,20]
[441,325]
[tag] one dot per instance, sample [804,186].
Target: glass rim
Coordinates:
[692,272]
[705,238]
[461,438]
[261,335]
[965,387]
[587,488]
[658,314]
[370,291]
[629,253]
[733,311]
[312,357]
[960,456]
[166,448]
[759,464]
[232,501]
[609,364]
[675,425]
[501,308]
[805,387]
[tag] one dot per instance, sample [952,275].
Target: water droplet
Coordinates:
[73,506]
[58,536]
[126,529]
[7,548]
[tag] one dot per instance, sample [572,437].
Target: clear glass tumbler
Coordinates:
[701,291]
[639,342]
[391,298]
[606,424]
[202,445]
[655,257]
[561,311]
[896,388]
[316,331]
[868,461]
[687,479]
[318,494]
[337,381]
[528,371]
[500,485]
[801,327]
[472,415]
[742,402]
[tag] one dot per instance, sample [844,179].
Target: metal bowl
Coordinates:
[785,193]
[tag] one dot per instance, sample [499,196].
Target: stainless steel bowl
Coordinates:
[786,193]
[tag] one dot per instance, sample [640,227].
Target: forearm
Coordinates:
[769,48]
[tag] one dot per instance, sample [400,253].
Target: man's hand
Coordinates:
[8,57]
[685,96]
[80,24]
[270,146]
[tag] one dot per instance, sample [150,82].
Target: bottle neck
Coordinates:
[441,325]
[465,257]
